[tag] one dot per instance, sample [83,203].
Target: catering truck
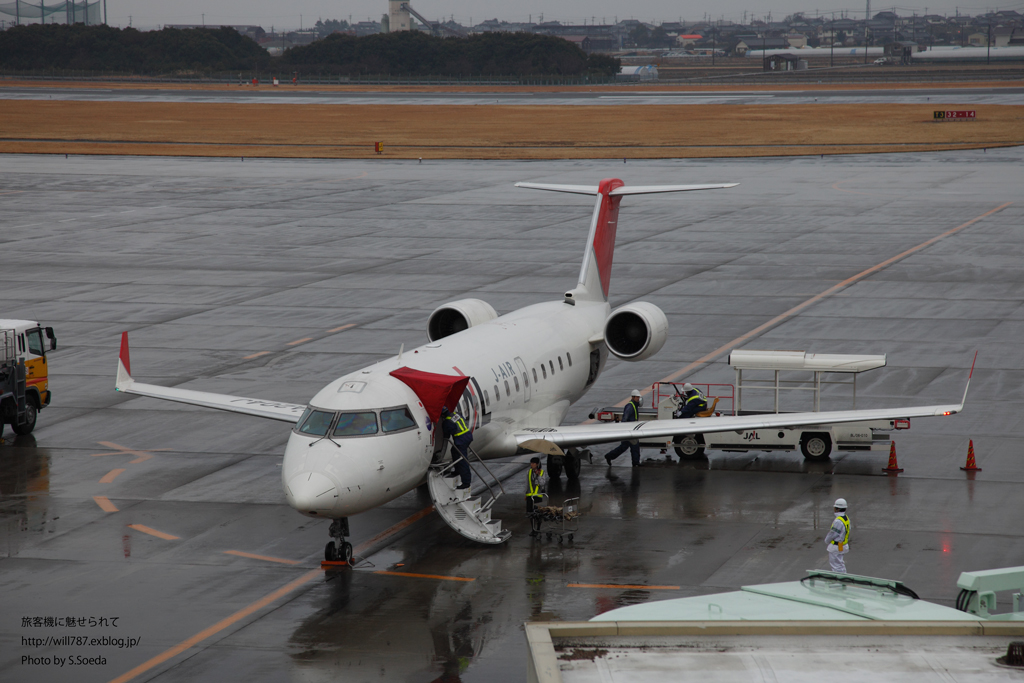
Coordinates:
[777,373]
[24,377]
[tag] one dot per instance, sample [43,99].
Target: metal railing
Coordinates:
[451,465]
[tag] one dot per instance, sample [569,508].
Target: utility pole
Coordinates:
[204,20]
[832,43]
[988,58]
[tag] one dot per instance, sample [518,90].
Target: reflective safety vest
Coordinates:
[533,486]
[460,424]
[846,539]
[696,397]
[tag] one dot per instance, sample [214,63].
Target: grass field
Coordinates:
[492,131]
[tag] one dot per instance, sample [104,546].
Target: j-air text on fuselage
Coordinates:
[24,374]
[370,436]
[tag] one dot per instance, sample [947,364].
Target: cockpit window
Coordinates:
[396,419]
[316,422]
[356,424]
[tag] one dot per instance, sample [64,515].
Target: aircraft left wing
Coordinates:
[589,434]
[273,410]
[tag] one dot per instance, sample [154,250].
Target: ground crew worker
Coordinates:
[630,413]
[837,540]
[455,428]
[536,485]
[693,402]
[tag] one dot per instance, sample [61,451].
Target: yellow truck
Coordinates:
[24,377]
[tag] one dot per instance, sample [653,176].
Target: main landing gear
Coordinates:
[342,550]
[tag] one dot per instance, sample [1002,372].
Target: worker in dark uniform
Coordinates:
[455,428]
[693,402]
[631,413]
[536,485]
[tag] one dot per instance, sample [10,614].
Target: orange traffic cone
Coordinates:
[971,465]
[893,466]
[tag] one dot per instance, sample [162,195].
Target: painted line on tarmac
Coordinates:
[266,558]
[630,586]
[255,355]
[110,476]
[153,532]
[782,317]
[141,456]
[339,329]
[105,504]
[299,341]
[440,577]
[261,603]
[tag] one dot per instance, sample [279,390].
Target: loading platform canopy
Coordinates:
[797,361]
[801,360]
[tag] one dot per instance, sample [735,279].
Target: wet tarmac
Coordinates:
[239,276]
[498,95]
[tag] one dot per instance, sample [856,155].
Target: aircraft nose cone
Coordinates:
[311,492]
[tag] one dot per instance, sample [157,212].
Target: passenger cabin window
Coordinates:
[544,370]
[396,419]
[35,342]
[552,367]
[568,358]
[534,375]
[560,366]
[316,422]
[356,424]
[516,380]
[487,399]
[508,392]
[497,393]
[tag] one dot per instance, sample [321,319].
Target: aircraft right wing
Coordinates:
[273,410]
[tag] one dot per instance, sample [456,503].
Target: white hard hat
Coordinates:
[687,387]
[840,503]
[635,392]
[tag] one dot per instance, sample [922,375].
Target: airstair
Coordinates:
[467,514]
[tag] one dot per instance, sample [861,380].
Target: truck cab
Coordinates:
[24,375]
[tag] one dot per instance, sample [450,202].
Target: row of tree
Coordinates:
[102,48]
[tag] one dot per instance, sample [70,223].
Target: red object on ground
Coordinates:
[436,391]
[893,465]
[971,465]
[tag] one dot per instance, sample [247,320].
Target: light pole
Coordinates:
[832,42]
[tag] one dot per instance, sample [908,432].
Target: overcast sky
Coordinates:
[267,13]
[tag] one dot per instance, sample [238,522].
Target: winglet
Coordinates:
[969,375]
[124,366]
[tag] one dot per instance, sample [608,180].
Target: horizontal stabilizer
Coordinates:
[638,189]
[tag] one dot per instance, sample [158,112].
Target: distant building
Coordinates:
[255,32]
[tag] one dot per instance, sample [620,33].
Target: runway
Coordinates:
[268,278]
[266,94]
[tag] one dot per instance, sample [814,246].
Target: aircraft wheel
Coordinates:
[29,424]
[554,471]
[572,467]
[689,446]
[816,446]
[346,552]
[331,552]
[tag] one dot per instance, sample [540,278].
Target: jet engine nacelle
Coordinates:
[636,331]
[457,316]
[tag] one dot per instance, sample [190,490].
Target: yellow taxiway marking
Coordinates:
[624,585]
[153,532]
[141,456]
[259,604]
[299,341]
[816,298]
[339,329]
[110,476]
[427,576]
[255,355]
[266,558]
[104,503]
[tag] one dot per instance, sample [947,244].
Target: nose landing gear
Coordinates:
[342,550]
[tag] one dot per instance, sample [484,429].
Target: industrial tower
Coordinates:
[398,16]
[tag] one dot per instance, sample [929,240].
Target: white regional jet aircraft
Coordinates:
[371,435]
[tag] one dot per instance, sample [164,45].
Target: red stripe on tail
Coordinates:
[604,237]
[124,353]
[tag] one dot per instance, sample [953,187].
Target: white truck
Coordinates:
[24,375]
[815,442]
